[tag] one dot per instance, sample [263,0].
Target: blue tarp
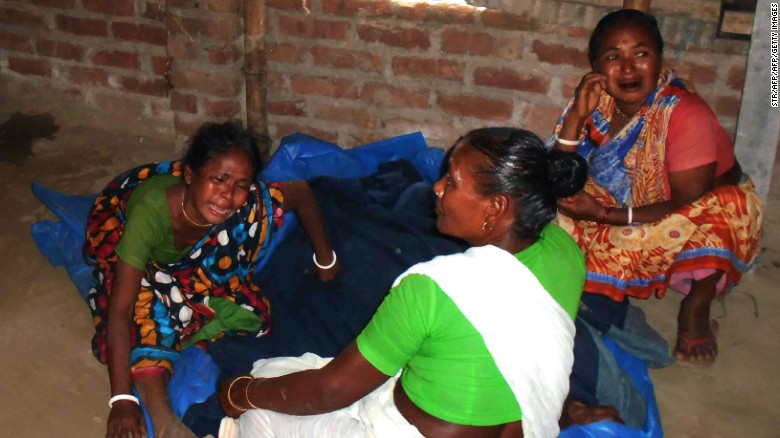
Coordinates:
[298,157]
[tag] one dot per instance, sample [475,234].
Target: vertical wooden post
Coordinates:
[639,5]
[255,65]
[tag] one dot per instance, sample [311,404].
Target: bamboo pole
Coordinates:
[255,65]
[639,5]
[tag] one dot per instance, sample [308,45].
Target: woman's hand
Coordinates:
[126,419]
[588,93]
[582,206]
[586,98]
[329,273]
[231,393]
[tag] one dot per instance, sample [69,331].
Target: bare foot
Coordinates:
[696,333]
[576,412]
[697,351]
[174,428]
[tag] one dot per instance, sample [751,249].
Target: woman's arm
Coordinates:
[343,381]
[686,186]
[586,99]
[125,416]
[299,198]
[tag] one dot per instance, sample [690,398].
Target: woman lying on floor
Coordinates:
[472,344]
[174,245]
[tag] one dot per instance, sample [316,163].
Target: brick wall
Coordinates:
[347,71]
[352,71]
[176,62]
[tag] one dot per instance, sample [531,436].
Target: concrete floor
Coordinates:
[53,387]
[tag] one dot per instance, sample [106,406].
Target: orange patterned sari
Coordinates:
[720,231]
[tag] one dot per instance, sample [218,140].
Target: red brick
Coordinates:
[311,28]
[702,74]
[217,85]
[18,43]
[184,102]
[60,49]
[61,4]
[425,67]
[286,4]
[287,53]
[338,88]
[225,55]
[510,49]
[437,13]
[141,33]
[160,65]
[346,58]
[287,108]
[276,81]
[578,32]
[184,4]
[569,85]
[560,54]
[155,11]
[476,106]
[221,27]
[408,38]
[88,76]
[81,26]
[510,79]
[386,95]
[110,7]
[358,8]
[472,43]
[152,87]
[736,78]
[117,59]
[186,125]
[26,18]
[505,20]
[34,67]
[285,128]
[348,115]
[222,108]
[541,120]
[224,5]
[727,106]
[180,48]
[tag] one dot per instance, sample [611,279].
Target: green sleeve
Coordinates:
[399,326]
[144,229]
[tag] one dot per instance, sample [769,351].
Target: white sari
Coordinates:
[528,333]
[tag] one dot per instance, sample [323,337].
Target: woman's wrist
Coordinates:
[237,391]
[325,261]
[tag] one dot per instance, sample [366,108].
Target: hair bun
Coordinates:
[568,172]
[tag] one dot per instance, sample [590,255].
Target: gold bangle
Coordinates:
[246,394]
[230,387]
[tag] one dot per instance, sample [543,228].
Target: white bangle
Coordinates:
[567,142]
[630,215]
[122,397]
[333,263]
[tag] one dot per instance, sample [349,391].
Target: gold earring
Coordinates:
[485,226]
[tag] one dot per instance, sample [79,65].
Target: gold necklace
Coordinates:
[187,217]
[621,113]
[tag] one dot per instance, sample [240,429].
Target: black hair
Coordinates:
[520,166]
[621,17]
[214,139]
